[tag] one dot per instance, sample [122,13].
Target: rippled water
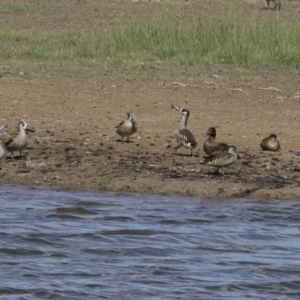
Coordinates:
[64,245]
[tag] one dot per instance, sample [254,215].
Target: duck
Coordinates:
[221,160]
[2,151]
[277,4]
[19,142]
[184,136]
[127,127]
[270,143]
[211,147]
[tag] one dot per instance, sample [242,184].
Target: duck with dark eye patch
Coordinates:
[221,160]
[184,136]
[270,143]
[19,142]
[127,127]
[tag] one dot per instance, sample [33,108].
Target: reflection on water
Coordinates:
[64,245]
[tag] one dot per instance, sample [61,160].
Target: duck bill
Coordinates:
[175,107]
[29,128]
[208,132]
[2,127]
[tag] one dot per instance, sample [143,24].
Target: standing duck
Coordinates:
[127,127]
[277,4]
[270,143]
[221,160]
[19,142]
[2,151]
[183,135]
[211,147]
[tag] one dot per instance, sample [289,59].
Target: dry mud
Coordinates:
[75,145]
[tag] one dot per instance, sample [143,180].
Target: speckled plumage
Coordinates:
[127,127]
[221,160]
[184,136]
[19,142]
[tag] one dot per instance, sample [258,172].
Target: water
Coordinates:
[65,245]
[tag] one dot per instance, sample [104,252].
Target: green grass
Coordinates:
[12,8]
[266,42]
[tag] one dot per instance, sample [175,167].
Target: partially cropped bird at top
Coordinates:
[221,160]
[276,2]
[127,127]
[184,136]
[270,143]
[19,142]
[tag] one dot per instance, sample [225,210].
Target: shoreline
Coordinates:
[209,187]
[75,145]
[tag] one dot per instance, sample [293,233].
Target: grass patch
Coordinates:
[12,8]
[266,42]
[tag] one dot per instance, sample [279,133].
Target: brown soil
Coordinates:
[75,145]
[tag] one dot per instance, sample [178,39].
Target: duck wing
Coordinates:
[120,124]
[220,160]
[9,141]
[186,137]
[211,147]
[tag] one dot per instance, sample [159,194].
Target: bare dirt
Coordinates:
[75,145]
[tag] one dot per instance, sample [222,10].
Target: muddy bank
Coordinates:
[75,111]
[75,145]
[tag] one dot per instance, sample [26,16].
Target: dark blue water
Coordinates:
[65,245]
